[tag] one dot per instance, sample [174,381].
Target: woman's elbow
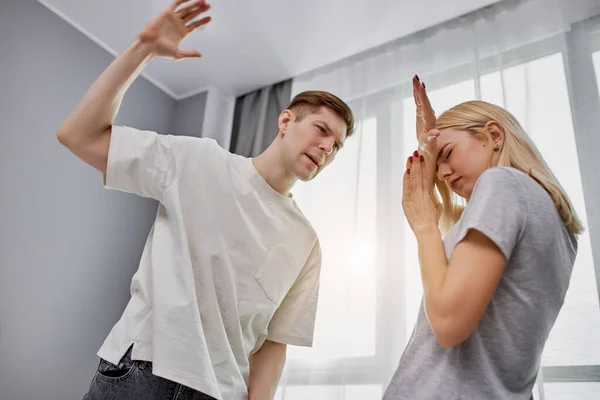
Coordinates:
[449,333]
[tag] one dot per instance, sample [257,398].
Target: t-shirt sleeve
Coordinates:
[497,208]
[146,163]
[294,321]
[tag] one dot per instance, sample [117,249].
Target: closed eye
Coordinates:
[437,165]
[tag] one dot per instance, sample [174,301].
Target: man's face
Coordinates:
[312,142]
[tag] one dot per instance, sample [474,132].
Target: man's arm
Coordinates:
[87,129]
[265,370]
[293,323]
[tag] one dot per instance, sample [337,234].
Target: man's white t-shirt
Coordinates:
[228,263]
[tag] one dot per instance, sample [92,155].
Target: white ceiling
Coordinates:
[250,44]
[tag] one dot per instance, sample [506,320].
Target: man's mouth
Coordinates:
[311,158]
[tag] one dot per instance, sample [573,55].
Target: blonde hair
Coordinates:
[518,151]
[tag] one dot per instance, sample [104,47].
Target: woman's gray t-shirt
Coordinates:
[500,359]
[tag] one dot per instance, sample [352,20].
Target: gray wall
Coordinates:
[188,117]
[68,247]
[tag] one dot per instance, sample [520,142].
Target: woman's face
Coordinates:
[461,158]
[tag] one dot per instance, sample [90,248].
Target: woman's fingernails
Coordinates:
[416,154]
[410,159]
[424,87]
[417,76]
[421,158]
[408,171]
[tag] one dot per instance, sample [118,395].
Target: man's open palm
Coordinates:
[166,30]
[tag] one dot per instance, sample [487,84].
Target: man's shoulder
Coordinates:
[202,152]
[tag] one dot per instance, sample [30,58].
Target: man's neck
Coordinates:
[270,169]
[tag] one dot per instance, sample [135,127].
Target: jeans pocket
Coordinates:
[111,373]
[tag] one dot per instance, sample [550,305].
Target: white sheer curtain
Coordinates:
[540,59]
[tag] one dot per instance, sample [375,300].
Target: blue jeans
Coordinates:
[133,380]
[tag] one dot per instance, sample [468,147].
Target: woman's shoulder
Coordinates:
[510,179]
[500,181]
[515,187]
[509,187]
[502,174]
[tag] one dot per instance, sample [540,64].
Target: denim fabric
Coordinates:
[133,380]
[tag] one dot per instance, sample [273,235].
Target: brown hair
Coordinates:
[518,152]
[311,100]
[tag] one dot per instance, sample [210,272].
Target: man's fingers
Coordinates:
[181,54]
[193,13]
[199,23]
[177,3]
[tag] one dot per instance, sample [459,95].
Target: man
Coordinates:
[230,271]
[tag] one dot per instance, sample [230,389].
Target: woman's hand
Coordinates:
[426,132]
[425,115]
[417,200]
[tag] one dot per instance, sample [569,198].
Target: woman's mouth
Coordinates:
[454,182]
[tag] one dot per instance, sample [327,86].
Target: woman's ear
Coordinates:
[496,132]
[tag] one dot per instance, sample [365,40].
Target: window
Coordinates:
[342,206]
[571,390]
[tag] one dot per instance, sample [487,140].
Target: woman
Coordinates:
[493,287]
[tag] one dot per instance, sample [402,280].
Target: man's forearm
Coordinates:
[266,366]
[98,108]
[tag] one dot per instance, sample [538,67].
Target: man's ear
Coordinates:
[496,132]
[285,118]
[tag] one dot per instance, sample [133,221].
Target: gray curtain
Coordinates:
[255,118]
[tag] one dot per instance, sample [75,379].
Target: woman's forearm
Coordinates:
[434,269]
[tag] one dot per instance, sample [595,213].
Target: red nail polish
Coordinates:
[410,159]
[424,87]
[416,154]
[421,158]
[408,171]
